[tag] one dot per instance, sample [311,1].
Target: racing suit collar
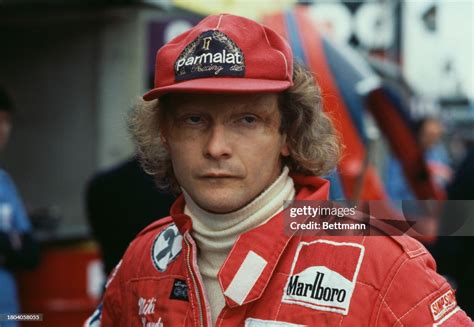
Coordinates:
[262,247]
[182,221]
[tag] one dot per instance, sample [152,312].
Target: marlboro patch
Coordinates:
[442,305]
[211,54]
[323,275]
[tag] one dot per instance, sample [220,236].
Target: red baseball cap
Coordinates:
[224,54]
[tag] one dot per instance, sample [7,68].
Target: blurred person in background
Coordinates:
[238,129]
[454,254]
[429,132]
[126,198]
[18,249]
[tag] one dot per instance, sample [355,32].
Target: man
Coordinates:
[429,132]
[238,129]
[17,247]
[125,197]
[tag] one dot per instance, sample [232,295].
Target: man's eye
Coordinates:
[193,120]
[248,120]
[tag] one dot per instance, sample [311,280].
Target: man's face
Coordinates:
[5,128]
[225,149]
[431,133]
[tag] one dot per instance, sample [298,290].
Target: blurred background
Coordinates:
[396,77]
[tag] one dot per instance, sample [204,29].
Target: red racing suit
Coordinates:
[272,278]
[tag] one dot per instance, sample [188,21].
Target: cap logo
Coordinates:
[211,54]
[206,43]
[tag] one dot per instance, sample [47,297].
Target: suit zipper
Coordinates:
[195,282]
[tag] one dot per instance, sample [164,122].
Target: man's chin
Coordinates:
[220,203]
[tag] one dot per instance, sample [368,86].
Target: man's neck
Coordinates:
[263,207]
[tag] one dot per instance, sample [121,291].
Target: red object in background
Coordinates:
[405,146]
[358,176]
[60,288]
[359,181]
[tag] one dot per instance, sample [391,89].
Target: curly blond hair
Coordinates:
[313,143]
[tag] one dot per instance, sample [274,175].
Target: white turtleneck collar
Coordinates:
[257,212]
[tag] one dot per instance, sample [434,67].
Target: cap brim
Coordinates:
[220,85]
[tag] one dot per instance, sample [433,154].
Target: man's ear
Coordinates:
[164,141]
[285,149]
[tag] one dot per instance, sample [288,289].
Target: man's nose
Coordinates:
[218,145]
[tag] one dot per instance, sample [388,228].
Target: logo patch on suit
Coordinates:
[323,275]
[166,247]
[211,54]
[442,305]
[179,290]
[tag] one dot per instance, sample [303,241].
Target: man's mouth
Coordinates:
[218,175]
